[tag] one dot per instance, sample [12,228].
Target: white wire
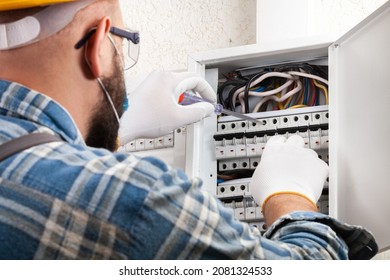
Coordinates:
[288,83]
[290,75]
[311,76]
[284,96]
[258,80]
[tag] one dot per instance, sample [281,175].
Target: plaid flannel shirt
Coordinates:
[64,200]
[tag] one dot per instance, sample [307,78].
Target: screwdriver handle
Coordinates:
[189,97]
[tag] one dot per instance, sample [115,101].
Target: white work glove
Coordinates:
[287,167]
[153,106]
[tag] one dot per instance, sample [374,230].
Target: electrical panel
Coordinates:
[239,144]
[350,133]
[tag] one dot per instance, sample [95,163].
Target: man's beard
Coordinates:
[103,127]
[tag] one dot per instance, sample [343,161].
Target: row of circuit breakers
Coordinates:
[239,146]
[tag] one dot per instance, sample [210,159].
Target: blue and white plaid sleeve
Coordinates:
[184,222]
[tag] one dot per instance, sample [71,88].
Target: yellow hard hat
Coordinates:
[6,5]
[40,25]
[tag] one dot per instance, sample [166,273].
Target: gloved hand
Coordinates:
[287,167]
[153,106]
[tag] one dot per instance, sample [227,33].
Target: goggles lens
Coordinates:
[130,50]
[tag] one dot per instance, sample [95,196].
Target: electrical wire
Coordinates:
[251,82]
[232,100]
[264,93]
[241,91]
[306,75]
[279,99]
[286,86]
[324,89]
[297,106]
[230,83]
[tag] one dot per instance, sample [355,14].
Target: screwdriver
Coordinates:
[189,97]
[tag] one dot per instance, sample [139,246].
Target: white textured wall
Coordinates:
[171,29]
[279,20]
[338,16]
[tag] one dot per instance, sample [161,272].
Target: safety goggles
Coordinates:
[131,44]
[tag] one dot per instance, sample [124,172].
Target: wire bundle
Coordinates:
[276,89]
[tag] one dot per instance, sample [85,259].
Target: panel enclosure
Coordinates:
[231,145]
[359,71]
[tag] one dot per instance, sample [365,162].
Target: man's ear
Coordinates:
[95,46]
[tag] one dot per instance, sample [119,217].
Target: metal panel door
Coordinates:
[360,125]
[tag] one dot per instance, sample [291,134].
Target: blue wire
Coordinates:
[306,95]
[291,101]
[259,89]
[220,181]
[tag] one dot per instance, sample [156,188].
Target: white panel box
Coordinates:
[358,188]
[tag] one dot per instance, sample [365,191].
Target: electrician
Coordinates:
[61,74]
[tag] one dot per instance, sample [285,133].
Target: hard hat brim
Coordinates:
[8,5]
[41,24]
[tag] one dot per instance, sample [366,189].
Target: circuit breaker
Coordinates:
[239,145]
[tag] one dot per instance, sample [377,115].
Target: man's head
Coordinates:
[52,65]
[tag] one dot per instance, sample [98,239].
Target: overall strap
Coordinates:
[24,142]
